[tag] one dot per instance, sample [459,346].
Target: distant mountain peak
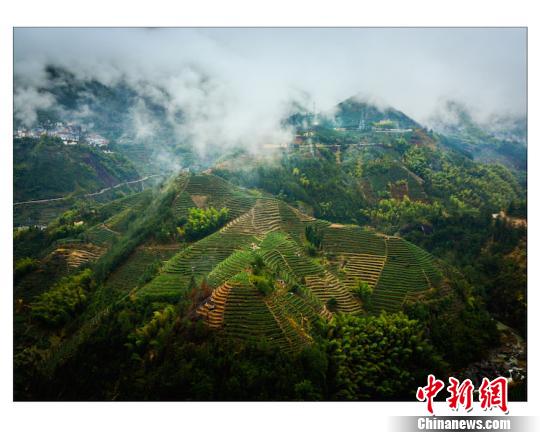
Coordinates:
[360,109]
[456,117]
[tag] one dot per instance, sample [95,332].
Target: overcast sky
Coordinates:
[250,75]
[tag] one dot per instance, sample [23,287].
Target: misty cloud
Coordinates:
[27,101]
[226,87]
[144,125]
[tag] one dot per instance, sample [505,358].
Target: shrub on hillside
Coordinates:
[148,341]
[314,236]
[364,292]
[264,284]
[331,304]
[201,222]
[24,266]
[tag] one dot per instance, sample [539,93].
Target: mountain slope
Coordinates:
[268,237]
[136,126]
[270,280]
[270,273]
[45,168]
[497,140]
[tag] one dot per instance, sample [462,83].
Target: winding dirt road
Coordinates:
[41,201]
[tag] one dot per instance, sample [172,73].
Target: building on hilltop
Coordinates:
[96,140]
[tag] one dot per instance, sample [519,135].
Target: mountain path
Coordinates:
[41,201]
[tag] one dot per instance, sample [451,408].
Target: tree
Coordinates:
[56,306]
[148,341]
[24,266]
[377,357]
[364,292]
[263,283]
[314,235]
[331,304]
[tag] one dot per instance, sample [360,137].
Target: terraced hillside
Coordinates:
[267,233]
[395,179]
[239,310]
[101,234]
[393,267]
[129,274]
[268,274]
[77,254]
[268,281]
[41,213]
[405,273]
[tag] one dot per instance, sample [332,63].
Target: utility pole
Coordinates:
[314,122]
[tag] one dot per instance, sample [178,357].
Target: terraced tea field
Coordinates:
[393,267]
[239,311]
[379,181]
[405,272]
[209,190]
[181,205]
[134,201]
[230,266]
[285,257]
[201,257]
[39,213]
[274,232]
[101,235]
[246,316]
[78,253]
[126,277]
[364,267]
[352,239]
[213,310]
[292,221]
[239,205]
[266,216]
[195,261]
[328,287]
[205,191]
